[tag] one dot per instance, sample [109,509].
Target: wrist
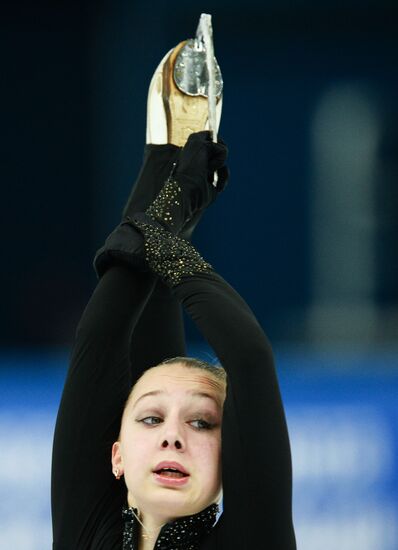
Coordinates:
[167,255]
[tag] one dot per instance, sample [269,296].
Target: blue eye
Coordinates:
[151,420]
[200,424]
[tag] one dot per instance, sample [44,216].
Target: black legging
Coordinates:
[86,499]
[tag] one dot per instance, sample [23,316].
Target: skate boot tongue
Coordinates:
[190,70]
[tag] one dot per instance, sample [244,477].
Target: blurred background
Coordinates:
[307,230]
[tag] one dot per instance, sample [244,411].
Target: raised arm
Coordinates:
[86,498]
[257,475]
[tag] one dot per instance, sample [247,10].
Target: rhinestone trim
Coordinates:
[166,205]
[184,533]
[169,256]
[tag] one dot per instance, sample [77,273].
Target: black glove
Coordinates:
[177,207]
[180,203]
[169,256]
[201,157]
[190,190]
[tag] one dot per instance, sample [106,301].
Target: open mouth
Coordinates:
[172,473]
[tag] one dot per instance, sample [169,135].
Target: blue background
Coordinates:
[343,423]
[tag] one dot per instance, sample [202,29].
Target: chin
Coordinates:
[177,505]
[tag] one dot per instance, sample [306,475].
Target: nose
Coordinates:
[177,444]
[171,436]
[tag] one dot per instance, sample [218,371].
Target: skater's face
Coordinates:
[172,422]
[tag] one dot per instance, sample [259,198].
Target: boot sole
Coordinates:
[185,114]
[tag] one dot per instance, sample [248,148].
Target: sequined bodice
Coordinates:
[184,533]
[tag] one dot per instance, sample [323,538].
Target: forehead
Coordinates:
[177,378]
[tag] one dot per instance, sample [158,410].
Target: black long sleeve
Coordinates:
[256,460]
[132,322]
[86,499]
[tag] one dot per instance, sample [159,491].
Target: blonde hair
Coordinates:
[215,370]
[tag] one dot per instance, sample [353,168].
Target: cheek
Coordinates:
[135,446]
[209,467]
[209,454]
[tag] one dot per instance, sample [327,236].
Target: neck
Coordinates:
[149,532]
[146,544]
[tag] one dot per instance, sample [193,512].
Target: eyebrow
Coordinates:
[194,394]
[154,392]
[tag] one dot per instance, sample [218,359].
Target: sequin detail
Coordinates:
[167,203]
[182,534]
[169,256]
[131,529]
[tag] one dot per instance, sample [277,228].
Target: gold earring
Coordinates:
[116,472]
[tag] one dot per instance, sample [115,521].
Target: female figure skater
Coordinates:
[148,442]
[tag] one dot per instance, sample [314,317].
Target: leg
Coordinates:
[161,322]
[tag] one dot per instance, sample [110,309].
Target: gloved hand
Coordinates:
[176,209]
[201,157]
[190,190]
[168,256]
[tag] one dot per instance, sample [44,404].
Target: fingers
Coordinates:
[198,138]
[201,153]
[217,155]
[203,137]
[223,177]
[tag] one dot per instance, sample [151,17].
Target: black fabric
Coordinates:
[186,533]
[122,245]
[177,202]
[157,165]
[87,501]
[201,157]
[193,175]
[256,459]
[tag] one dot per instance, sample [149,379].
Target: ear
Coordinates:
[117,459]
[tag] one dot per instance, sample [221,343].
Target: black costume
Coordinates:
[133,321]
